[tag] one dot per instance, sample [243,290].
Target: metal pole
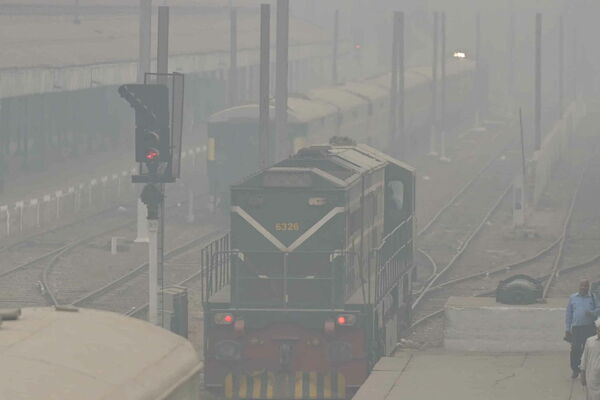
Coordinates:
[144,62]
[162,60]
[233,67]
[162,64]
[478,72]
[434,73]
[561,66]
[511,56]
[336,27]
[145,33]
[401,99]
[281,80]
[443,156]
[538,81]
[575,64]
[153,271]
[394,81]
[265,53]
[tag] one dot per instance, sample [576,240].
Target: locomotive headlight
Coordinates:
[459,54]
[228,350]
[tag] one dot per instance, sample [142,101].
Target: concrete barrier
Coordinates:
[543,162]
[480,324]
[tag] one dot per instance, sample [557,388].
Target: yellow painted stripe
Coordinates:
[327,386]
[298,386]
[211,149]
[270,383]
[243,387]
[312,385]
[341,386]
[257,386]
[229,386]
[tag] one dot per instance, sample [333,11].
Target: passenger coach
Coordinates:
[315,285]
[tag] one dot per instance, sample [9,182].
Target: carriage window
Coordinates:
[397,188]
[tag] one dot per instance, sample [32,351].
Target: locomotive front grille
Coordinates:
[285,385]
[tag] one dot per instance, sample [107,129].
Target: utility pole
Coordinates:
[478,75]
[561,66]
[443,156]
[265,55]
[144,62]
[403,143]
[538,81]
[434,73]
[281,81]
[233,67]
[511,57]
[394,81]
[336,28]
[156,228]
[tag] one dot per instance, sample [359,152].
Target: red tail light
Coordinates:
[223,319]
[346,320]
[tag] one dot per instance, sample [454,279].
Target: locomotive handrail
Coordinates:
[217,268]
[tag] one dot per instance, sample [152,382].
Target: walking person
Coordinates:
[581,313]
[590,366]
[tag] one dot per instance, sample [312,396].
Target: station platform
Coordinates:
[439,374]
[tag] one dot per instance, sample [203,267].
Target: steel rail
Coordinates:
[140,268]
[463,247]
[566,224]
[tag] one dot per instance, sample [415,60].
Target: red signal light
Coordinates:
[357,46]
[223,319]
[346,319]
[152,155]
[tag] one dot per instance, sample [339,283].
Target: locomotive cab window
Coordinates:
[396,194]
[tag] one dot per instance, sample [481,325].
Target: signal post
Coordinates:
[158,115]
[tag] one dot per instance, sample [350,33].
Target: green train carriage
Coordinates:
[359,110]
[315,285]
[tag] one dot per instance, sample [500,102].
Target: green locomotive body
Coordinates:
[315,285]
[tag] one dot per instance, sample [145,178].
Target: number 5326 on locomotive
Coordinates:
[313,284]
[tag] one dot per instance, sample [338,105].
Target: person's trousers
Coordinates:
[579,335]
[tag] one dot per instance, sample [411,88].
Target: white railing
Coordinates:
[67,203]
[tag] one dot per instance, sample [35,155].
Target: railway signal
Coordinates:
[152,133]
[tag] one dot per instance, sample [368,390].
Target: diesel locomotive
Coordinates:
[359,110]
[313,284]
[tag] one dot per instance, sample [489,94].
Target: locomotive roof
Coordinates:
[90,354]
[338,165]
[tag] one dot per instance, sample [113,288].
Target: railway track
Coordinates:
[128,291]
[554,254]
[29,283]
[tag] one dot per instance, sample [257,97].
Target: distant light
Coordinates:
[459,54]
[357,46]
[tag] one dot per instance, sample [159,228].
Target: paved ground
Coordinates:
[472,376]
